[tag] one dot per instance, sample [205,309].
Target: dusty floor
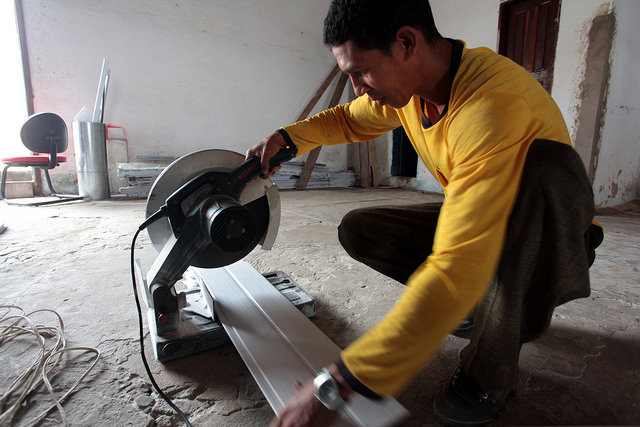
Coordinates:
[74,258]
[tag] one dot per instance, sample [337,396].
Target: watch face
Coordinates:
[328,391]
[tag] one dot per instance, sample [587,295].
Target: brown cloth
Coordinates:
[545,262]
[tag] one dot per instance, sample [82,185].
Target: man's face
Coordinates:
[375,73]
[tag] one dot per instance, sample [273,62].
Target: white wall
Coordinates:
[188,75]
[13,107]
[185,74]
[475,22]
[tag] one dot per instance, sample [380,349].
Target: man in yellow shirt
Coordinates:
[512,240]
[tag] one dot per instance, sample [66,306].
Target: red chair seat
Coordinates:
[37,159]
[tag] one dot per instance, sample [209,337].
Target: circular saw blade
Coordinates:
[182,171]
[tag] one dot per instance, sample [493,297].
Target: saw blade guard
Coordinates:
[236,225]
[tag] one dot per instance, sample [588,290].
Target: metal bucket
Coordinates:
[91,159]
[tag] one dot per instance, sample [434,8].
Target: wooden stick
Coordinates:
[373,162]
[307,169]
[365,170]
[318,94]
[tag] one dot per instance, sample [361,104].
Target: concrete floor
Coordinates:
[74,258]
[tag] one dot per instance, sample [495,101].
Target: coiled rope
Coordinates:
[51,345]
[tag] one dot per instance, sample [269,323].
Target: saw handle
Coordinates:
[250,169]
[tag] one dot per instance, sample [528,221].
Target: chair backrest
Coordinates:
[41,129]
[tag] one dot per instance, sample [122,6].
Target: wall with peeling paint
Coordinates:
[617,175]
[615,164]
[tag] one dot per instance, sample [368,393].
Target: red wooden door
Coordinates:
[528,35]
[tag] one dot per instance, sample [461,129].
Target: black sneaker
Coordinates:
[465,328]
[463,403]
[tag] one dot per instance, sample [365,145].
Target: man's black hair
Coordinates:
[373,24]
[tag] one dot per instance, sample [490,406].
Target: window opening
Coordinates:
[14,110]
[404,159]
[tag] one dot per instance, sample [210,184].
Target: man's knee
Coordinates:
[350,220]
[351,228]
[555,163]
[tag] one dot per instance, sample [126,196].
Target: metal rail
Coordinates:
[280,345]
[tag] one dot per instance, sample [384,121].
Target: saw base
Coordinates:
[197,330]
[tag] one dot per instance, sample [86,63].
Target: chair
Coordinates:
[45,135]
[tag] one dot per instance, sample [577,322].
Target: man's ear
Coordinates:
[408,38]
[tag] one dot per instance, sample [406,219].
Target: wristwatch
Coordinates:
[327,390]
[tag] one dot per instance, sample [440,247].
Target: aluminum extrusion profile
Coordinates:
[280,345]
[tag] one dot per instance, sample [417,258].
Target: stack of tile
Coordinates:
[138,178]
[321,177]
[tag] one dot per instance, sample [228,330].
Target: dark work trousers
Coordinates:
[545,261]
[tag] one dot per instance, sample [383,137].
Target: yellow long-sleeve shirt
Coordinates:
[476,150]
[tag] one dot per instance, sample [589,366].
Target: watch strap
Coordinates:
[353,382]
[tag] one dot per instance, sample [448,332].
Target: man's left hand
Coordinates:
[304,410]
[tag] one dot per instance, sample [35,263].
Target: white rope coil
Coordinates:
[51,345]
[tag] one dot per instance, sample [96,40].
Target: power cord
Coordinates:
[17,325]
[153,218]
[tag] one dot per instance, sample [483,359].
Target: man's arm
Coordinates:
[360,120]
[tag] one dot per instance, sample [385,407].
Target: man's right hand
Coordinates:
[266,149]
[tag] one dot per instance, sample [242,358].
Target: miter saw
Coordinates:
[207,210]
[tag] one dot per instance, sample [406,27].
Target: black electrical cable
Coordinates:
[144,225]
